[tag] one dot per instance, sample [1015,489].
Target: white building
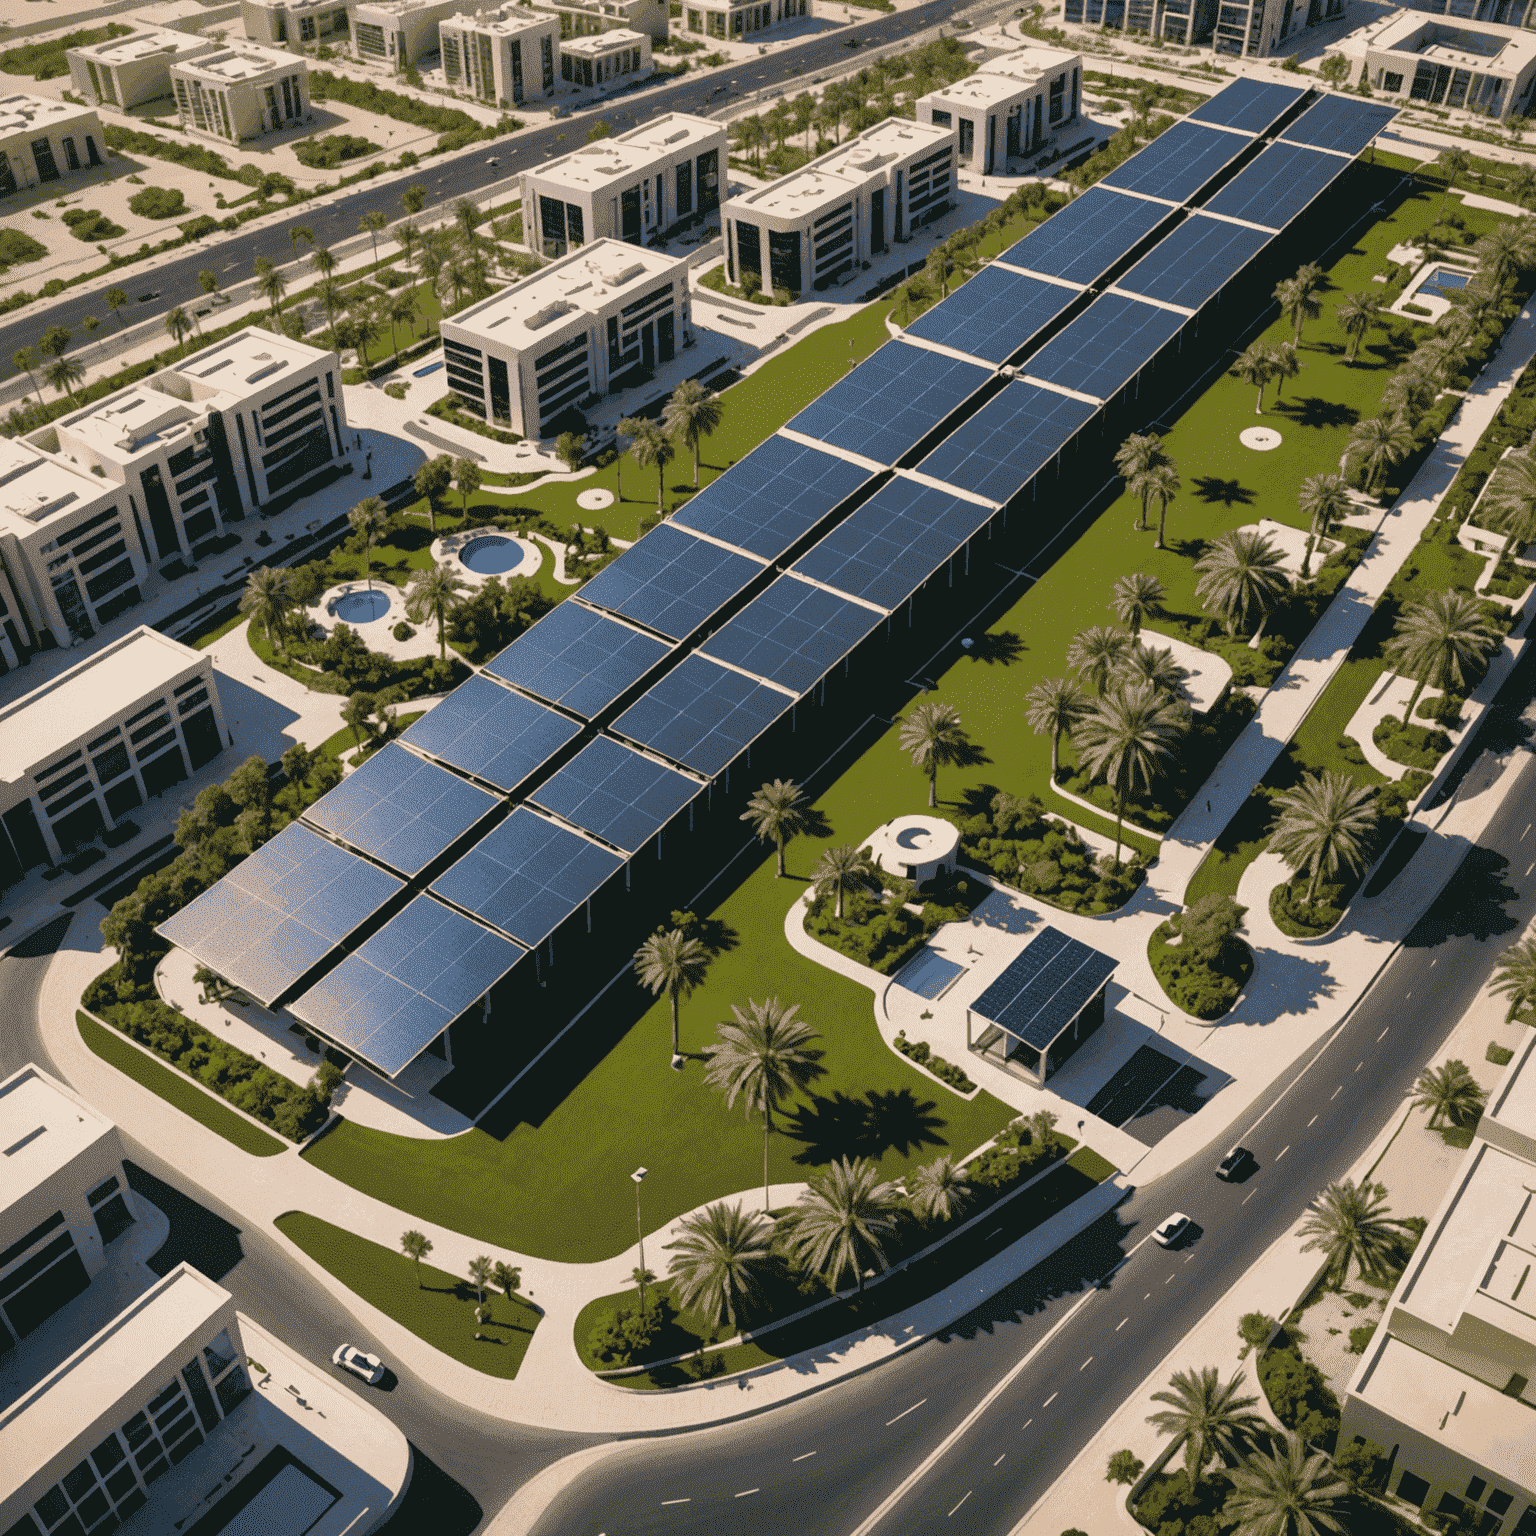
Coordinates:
[123,71]
[41,139]
[504,56]
[1013,106]
[730,18]
[1487,69]
[537,350]
[635,187]
[824,222]
[1257,29]
[397,32]
[295,21]
[241,93]
[584,18]
[90,745]
[601,59]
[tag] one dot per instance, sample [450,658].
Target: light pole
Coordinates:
[639,1177]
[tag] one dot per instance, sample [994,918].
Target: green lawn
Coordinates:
[438,1308]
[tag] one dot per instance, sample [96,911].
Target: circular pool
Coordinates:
[491,554]
[361,607]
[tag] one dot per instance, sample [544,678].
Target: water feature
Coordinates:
[1444,280]
[927,974]
[491,554]
[361,607]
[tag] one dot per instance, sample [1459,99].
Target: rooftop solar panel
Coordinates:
[1251,105]
[391,999]
[670,581]
[774,496]
[578,659]
[1102,350]
[1178,162]
[614,793]
[702,715]
[527,876]
[280,911]
[887,549]
[891,401]
[1081,242]
[1342,123]
[994,314]
[492,733]
[793,635]
[1278,185]
[1195,262]
[1045,987]
[1012,437]
[401,810]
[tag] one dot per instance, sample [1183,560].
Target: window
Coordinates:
[1476,1489]
[942,119]
[1499,1501]
[1412,1489]
[1391,84]
[101,1191]
[967,138]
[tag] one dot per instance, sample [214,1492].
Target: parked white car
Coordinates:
[369,1367]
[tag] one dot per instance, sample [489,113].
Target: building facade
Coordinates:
[533,353]
[294,21]
[586,18]
[607,57]
[729,18]
[506,56]
[1485,68]
[241,93]
[397,32]
[42,140]
[1015,105]
[124,71]
[1258,29]
[821,224]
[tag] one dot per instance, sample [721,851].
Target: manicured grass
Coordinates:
[438,1308]
[175,1089]
[203,641]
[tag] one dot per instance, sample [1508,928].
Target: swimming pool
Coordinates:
[1445,280]
[361,607]
[492,555]
[421,373]
[927,974]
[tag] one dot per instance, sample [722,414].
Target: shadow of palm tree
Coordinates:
[1000,649]
[1472,904]
[840,1126]
[1314,411]
[1210,489]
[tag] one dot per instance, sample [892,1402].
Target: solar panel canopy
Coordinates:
[280,911]
[1081,242]
[527,876]
[1106,346]
[617,794]
[1278,186]
[1250,105]
[1195,262]
[670,581]
[490,732]
[890,402]
[401,810]
[1178,163]
[993,314]
[1341,123]
[772,498]
[578,659]
[391,999]
[1044,988]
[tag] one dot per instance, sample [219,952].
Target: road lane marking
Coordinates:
[1528,871]
[999,1459]
[1249,1196]
[905,1411]
[993,1233]
[806,1457]
[1282,1152]
[747,1493]
[1528,827]
[1336,1092]
[1051,1399]
[666,1502]
[1312,1122]
[1383,1035]
[1169,1280]
[1121,1324]
[1084,1366]
[1187,1259]
[957,1506]
[1358,1065]
[1027,1423]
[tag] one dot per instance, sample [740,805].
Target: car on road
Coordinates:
[1171,1230]
[1234,1164]
[369,1367]
[493,161]
[150,297]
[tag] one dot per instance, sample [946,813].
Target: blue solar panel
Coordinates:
[1195,262]
[702,716]
[402,811]
[887,549]
[616,794]
[774,496]
[1101,351]
[670,581]
[491,732]
[388,1002]
[1251,105]
[1278,185]
[994,314]
[1011,438]
[527,876]
[793,635]
[280,911]
[579,659]
[891,401]
[1045,987]
[1082,241]
[1341,123]
[1178,162]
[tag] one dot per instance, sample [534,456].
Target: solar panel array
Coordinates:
[579,659]
[995,314]
[1106,346]
[1251,106]
[1195,262]
[1178,164]
[492,733]
[1081,242]
[1045,987]
[617,794]
[1279,186]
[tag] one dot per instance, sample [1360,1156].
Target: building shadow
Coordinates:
[198,1237]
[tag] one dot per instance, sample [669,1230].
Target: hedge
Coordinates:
[324,86]
[158,203]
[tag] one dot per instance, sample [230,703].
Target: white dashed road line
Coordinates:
[905,1411]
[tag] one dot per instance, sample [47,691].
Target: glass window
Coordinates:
[108,1454]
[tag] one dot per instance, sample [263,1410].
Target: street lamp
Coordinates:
[639,1177]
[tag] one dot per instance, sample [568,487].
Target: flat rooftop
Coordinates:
[144,45]
[509,21]
[981,90]
[41,724]
[1513,1103]
[43,1129]
[19,114]
[243,362]
[122,425]
[1026,63]
[1473,45]
[33,488]
[599,43]
[247,62]
[631,154]
[398,7]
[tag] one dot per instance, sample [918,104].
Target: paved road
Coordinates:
[826,1465]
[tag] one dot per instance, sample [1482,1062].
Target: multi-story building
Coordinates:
[124,71]
[605,57]
[504,56]
[530,354]
[397,32]
[1013,106]
[294,21]
[730,18]
[824,222]
[42,139]
[584,18]
[635,187]
[241,93]
[1257,29]
[1486,68]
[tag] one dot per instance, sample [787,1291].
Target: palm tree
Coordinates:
[1136,598]
[721,1252]
[365,331]
[372,222]
[114,299]
[298,232]
[1096,654]
[649,445]
[1287,1490]
[400,309]
[842,869]
[268,599]
[64,373]
[1324,499]
[323,259]
[671,961]
[432,595]
[1153,666]
[938,1190]
[841,1220]
[1456,161]
[1521,185]
[90,324]
[1408,394]
[1356,314]
[1242,574]
[778,812]
[1210,1416]
[1054,706]
[508,1276]
[628,429]
[1127,738]
[763,1058]
[1503,253]
[1324,822]
[1165,486]
[24,361]
[1438,638]
[1256,366]
[1286,365]
[932,735]
[480,1275]
[1449,1092]
[272,283]
[1298,298]
[1510,505]
[691,414]
[368,519]
[1134,458]
[416,1246]
[1349,1225]
[467,480]
[357,715]
[1515,977]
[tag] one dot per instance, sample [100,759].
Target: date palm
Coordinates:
[675,963]
[1349,1225]
[480,1272]
[1457,162]
[1241,575]
[1286,365]
[1256,365]
[1134,459]
[933,737]
[64,373]
[1409,394]
[1153,666]
[1096,655]
[1287,1490]
[692,413]
[1521,186]
[1356,314]
[415,1246]
[365,331]
[24,361]
[1137,597]
[372,223]
[1325,822]
[841,869]
[1510,505]
[432,595]
[268,600]
[1504,253]
[1127,739]
[1165,486]
[1449,1092]
[1054,706]
[842,1221]
[369,519]
[1515,977]
[938,1190]
[777,812]
[1438,638]
[722,1252]
[1210,1415]
[272,283]
[1299,298]
[628,429]
[1324,499]
[648,446]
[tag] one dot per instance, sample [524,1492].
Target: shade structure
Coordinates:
[1195,262]
[1253,106]
[617,794]
[1045,987]
[1343,124]
[1105,347]
[1081,242]
[994,314]
[1279,186]
[492,733]
[1179,163]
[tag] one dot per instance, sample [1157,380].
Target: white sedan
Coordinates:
[1171,1230]
[369,1367]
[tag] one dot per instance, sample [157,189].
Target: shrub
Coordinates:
[328,151]
[92,227]
[1499,1055]
[1363,1464]
[194,156]
[1294,915]
[402,631]
[46,61]
[619,1337]
[158,203]
[203,224]
[1415,746]
[945,1071]
[17,248]
[1299,1394]
[1360,1337]
[1206,978]
[1124,1467]
[324,86]
[1442,708]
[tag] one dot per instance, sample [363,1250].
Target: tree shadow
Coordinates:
[1473,903]
[1229,493]
[880,1122]
[1000,649]
[1314,411]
